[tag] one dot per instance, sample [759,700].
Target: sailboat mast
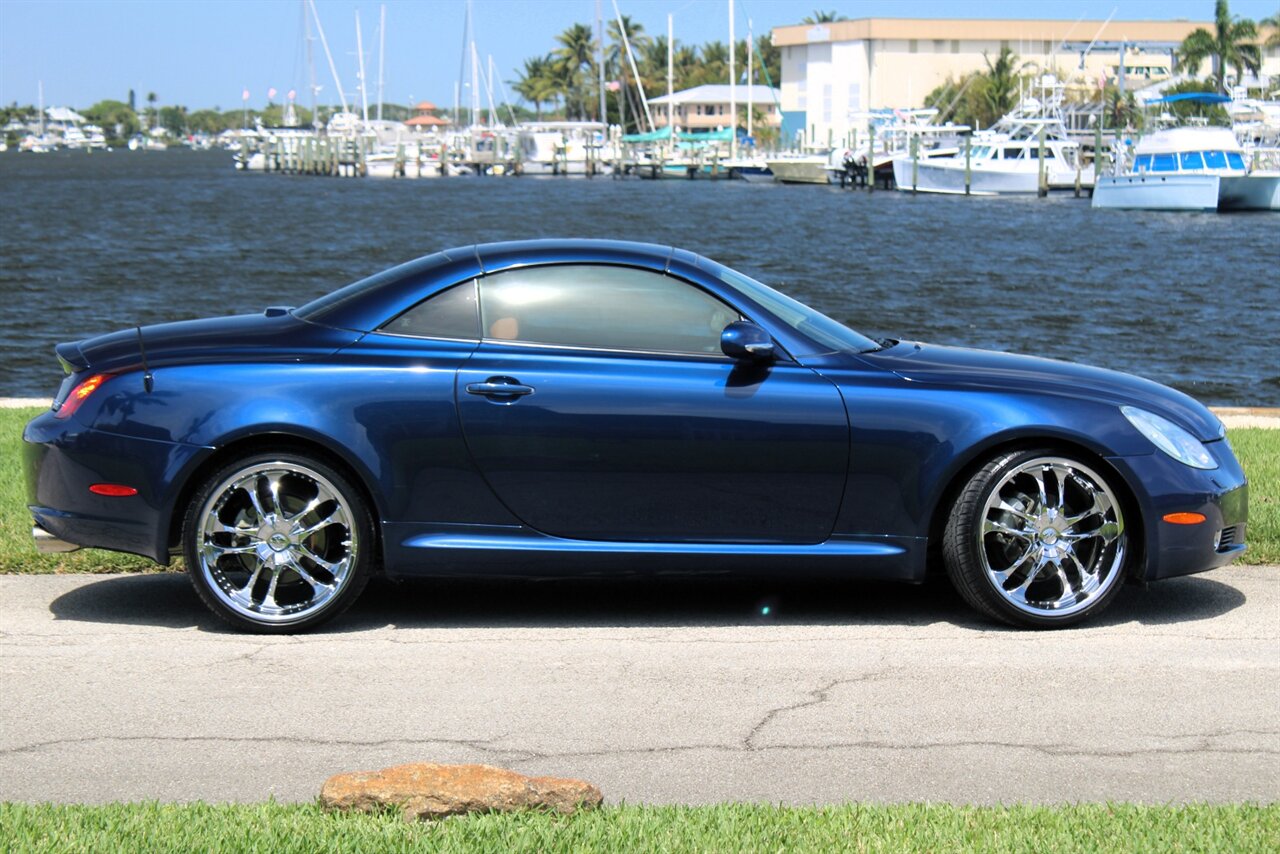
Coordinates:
[40,88]
[364,94]
[670,77]
[751,73]
[733,89]
[324,43]
[631,60]
[475,85]
[311,64]
[600,56]
[488,88]
[382,53]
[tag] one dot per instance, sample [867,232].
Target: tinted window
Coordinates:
[1236,161]
[1164,163]
[1216,159]
[1191,160]
[602,307]
[1142,163]
[449,314]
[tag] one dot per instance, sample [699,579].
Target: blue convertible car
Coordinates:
[553,407]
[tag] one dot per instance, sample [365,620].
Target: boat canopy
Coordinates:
[1201,97]
[664,134]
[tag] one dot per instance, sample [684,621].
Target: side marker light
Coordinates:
[113,490]
[1184,518]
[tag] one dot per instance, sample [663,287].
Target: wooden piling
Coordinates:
[968,162]
[915,161]
[1097,150]
[871,159]
[1043,188]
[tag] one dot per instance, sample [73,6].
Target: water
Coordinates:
[95,242]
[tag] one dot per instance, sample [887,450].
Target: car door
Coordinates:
[599,406]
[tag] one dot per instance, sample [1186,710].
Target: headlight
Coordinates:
[1170,438]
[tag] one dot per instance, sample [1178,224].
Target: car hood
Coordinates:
[275,336]
[989,369]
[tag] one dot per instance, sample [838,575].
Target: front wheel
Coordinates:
[1037,539]
[278,543]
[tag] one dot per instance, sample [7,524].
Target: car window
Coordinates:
[448,314]
[602,307]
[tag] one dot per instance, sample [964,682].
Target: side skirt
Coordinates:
[497,551]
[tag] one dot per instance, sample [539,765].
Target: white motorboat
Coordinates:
[804,168]
[1190,169]
[753,170]
[1005,158]
[562,148]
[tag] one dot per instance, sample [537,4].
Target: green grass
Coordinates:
[306,828]
[1259,452]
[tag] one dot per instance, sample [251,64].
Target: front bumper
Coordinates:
[62,458]
[1163,485]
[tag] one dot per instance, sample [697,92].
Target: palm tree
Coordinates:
[1273,22]
[1002,81]
[1229,46]
[537,82]
[715,64]
[823,17]
[617,66]
[577,56]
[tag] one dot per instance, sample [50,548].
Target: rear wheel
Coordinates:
[278,543]
[1037,539]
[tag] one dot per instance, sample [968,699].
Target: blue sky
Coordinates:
[203,53]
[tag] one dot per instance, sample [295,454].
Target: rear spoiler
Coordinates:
[71,357]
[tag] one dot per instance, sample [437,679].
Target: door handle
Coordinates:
[499,387]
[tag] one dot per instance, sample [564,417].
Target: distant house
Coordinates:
[425,119]
[707,107]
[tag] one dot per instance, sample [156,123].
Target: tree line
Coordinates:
[567,80]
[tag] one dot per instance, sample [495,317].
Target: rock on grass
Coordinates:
[426,790]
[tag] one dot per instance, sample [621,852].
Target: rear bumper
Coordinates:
[1163,486]
[63,458]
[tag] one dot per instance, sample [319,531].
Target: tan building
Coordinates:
[706,107]
[832,73]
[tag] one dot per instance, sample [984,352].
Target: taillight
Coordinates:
[79,394]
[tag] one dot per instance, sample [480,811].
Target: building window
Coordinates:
[939,45]
[955,45]
[913,46]
[802,97]
[1004,45]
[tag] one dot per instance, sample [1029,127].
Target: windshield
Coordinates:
[829,334]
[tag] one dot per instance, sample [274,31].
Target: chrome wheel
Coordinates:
[1051,537]
[276,542]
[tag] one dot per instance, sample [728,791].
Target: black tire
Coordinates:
[1003,523]
[311,565]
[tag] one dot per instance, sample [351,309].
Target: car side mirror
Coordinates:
[746,342]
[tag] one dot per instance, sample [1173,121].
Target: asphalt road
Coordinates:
[122,688]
